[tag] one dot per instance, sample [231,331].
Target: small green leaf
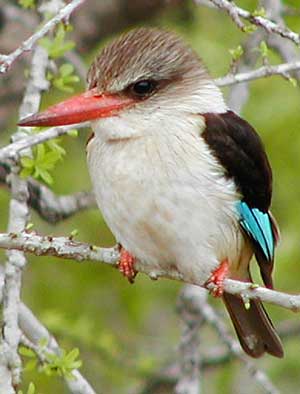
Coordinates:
[27,162]
[65,78]
[259,12]
[58,46]
[74,233]
[73,133]
[24,351]
[26,172]
[263,49]
[250,29]
[31,388]
[236,53]
[66,69]
[31,365]
[293,81]
[46,177]
[29,226]
[27,3]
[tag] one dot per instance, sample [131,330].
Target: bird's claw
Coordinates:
[126,265]
[217,279]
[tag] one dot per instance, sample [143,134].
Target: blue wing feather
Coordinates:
[258,226]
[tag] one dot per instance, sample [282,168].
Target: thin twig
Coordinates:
[262,72]
[236,13]
[51,207]
[206,311]
[33,332]
[11,150]
[6,61]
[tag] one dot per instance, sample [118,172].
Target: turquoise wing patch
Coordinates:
[258,226]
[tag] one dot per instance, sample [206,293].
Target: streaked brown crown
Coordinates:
[144,54]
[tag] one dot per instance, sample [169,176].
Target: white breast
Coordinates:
[166,200]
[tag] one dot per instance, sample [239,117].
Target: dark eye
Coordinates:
[143,88]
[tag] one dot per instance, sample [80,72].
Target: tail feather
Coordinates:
[253,327]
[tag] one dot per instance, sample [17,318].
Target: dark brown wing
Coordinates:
[239,149]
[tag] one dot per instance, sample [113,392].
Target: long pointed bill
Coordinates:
[87,106]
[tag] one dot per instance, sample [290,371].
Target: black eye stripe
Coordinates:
[143,88]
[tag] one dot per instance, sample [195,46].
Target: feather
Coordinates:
[258,226]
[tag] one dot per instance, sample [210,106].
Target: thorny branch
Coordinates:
[69,249]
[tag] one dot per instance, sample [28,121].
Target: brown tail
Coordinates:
[253,327]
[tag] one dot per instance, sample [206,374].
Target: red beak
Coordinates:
[87,106]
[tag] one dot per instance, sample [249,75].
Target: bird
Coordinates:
[182,181]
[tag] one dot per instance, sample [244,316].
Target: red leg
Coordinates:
[126,264]
[217,278]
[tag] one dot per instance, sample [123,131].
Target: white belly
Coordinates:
[167,202]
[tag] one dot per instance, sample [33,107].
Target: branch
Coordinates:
[262,72]
[189,381]
[51,207]
[286,49]
[67,248]
[239,92]
[18,217]
[214,357]
[200,306]
[6,61]
[11,150]
[236,13]
[33,332]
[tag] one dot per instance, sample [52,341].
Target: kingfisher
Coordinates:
[182,181]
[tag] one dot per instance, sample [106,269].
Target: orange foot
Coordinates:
[217,279]
[126,264]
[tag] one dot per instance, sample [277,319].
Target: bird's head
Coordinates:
[140,81]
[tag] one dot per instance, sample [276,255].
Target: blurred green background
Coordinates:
[126,333]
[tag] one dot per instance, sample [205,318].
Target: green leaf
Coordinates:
[26,172]
[263,49]
[31,365]
[27,162]
[27,3]
[54,146]
[31,388]
[236,53]
[73,133]
[66,69]
[24,351]
[293,81]
[259,12]
[58,46]
[62,364]
[46,177]
[250,29]
[65,78]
